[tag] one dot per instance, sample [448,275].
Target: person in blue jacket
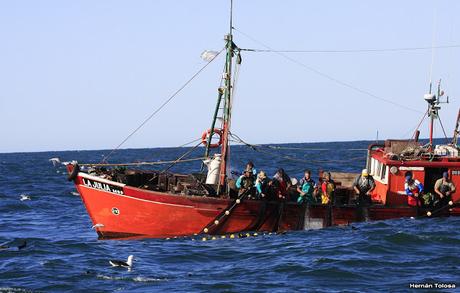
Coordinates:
[413,189]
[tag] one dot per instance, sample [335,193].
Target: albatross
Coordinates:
[124,264]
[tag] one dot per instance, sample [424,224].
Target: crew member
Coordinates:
[306,189]
[327,188]
[262,185]
[250,166]
[363,185]
[245,182]
[413,189]
[281,182]
[444,187]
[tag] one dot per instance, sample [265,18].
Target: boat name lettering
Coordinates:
[455,172]
[402,168]
[102,186]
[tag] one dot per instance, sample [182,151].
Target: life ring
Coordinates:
[74,173]
[204,138]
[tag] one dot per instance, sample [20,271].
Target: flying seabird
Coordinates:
[55,161]
[124,264]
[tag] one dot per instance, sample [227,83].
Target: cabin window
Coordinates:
[379,171]
[383,174]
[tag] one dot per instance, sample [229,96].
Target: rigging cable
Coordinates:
[140,163]
[442,127]
[161,107]
[236,75]
[331,78]
[414,130]
[257,148]
[190,142]
[402,49]
[180,158]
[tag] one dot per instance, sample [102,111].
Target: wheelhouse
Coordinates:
[390,162]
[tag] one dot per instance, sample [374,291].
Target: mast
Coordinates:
[223,109]
[227,93]
[433,101]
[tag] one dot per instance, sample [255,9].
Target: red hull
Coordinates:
[120,211]
[139,212]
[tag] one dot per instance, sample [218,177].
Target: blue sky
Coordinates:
[84,74]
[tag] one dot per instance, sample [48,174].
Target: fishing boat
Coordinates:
[125,202]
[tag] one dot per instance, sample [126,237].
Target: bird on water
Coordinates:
[24,197]
[123,264]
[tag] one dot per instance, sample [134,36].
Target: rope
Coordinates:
[434,212]
[331,78]
[418,126]
[224,214]
[180,158]
[159,108]
[190,142]
[257,148]
[173,163]
[442,127]
[142,163]
[234,86]
[351,50]
[308,149]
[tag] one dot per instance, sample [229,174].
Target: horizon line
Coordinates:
[236,144]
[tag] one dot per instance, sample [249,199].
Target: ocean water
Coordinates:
[62,253]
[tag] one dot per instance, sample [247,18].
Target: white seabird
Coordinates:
[24,197]
[124,264]
[55,161]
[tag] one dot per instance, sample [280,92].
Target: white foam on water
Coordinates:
[135,279]
[108,277]
[13,289]
[145,279]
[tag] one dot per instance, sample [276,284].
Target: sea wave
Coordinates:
[63,253]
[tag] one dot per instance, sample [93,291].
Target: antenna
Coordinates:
[433,40]
[433,101]
[231,16]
